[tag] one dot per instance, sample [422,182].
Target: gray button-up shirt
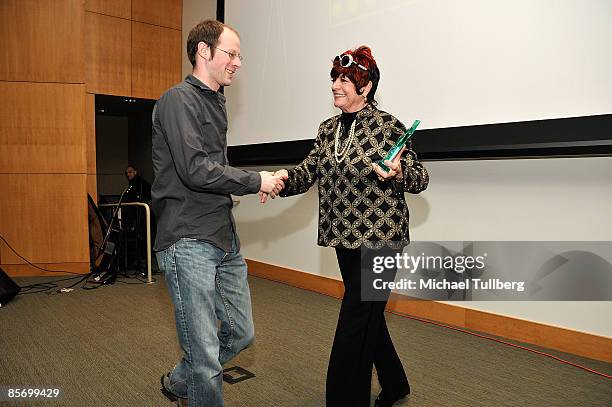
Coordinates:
[193,181]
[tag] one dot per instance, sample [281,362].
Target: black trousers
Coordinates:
[362,340]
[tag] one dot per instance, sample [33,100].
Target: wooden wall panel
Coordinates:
[90,131]
[42,40]
[166,13]
[116,8]
[156,60]
[108,55]
[44,217]
[42,128]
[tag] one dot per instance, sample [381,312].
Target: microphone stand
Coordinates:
[107,276]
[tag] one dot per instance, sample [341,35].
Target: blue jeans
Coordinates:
[207,285]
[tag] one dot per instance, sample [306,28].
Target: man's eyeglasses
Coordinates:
[232,54]
[346,60]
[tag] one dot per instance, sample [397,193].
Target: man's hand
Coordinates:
[281,175]
[270,183]
[395,168]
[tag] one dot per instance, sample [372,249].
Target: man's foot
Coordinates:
[165,382]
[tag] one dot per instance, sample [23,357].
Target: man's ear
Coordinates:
[203,49]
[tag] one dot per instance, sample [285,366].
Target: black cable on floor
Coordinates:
[34,265]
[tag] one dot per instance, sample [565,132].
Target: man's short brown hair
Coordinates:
[207,31]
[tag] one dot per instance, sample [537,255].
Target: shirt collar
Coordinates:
[366,111]
[198,83]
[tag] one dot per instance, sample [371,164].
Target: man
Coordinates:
[140,190]
[197,247]
[134,218]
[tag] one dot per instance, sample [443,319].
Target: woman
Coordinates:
[360,205]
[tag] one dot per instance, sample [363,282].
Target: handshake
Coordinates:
[272,184]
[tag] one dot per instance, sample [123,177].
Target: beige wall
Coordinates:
[194,11]
[530,199]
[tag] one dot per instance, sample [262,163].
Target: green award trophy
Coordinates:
[398,146]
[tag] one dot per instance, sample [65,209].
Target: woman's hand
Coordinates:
[395,168]
[283,175]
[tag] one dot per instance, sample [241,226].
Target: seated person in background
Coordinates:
[134,216]
[140,190]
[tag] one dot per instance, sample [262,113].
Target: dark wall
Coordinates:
[123,136]
[139,144]
[112,133]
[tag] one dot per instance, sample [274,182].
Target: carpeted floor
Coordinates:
[109,346]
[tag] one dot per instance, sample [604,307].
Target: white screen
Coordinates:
[448,63]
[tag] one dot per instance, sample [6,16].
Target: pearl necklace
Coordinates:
[341,155]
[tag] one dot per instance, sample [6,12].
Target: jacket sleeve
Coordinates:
[416,177]
[198,172]
[304,175]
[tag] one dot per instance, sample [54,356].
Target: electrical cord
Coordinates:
[48,285]
[34,265]
[135,278]
[43,287]
[97,248]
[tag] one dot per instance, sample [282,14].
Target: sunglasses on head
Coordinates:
[346,60]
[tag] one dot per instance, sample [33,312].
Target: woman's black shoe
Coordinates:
[384,400]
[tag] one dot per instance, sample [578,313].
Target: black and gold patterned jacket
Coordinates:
[355,207]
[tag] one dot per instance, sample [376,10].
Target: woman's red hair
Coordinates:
[359,77]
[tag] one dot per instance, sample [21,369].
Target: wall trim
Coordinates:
[564,137]
[535,333]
